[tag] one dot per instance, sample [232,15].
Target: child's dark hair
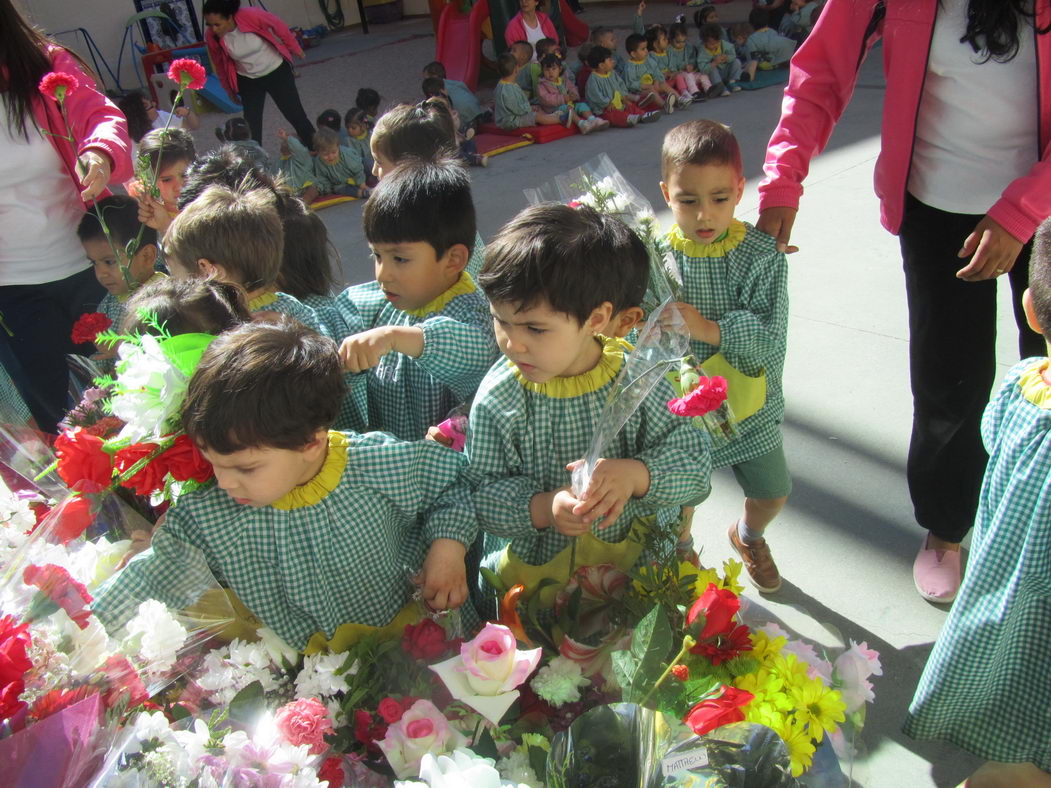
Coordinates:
[435,69]
[1040,277]
[221,7]
[121,215]
[700,142]
[356,115]
[433,86]
[326,138]
[633,42]
[599,32]
[261,385]
[676,30]
[187,306]
[583,50]
[741,30]
[549,60]
[653,32]
[523,45]
[506,64]
[234,130]
[367,99]
[574,258]
[711,32]
[307,261]
[545,45]
[164,147]
[423,201]
[133,105]
[229,165]
[597,55]
[424,131]
[329,119]
[700,16]
[759,18]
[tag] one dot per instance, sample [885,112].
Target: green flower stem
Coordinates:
[162,446]
[687,643]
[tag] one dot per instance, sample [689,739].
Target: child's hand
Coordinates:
[181,112]
[612,484]
[564,516]
[436,435]
[443,577]
[364,351]
[641,8]
[701,328]
[152,213]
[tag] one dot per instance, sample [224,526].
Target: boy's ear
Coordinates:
[599,317]
[1030,312]
[319,441]
[145,259]
[206,269]
[740,190]
[625,320]
[664,191]
[456,257]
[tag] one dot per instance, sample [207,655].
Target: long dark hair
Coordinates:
[23,62]
[134,109]
[994,27]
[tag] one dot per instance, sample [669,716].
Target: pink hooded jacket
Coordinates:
[515,30]
[251,20]
[820,85]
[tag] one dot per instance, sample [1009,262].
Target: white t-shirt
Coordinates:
[40,209]
[253,56]
[533,34]
[977,128]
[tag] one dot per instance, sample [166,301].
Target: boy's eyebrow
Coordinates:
[533,322]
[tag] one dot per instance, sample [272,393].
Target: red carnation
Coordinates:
[82,458]
[125,684]
[711,713]
[187,73]
[15,640]
[184,461]
[59,587]
[368,732]
[725,646]
[681,672]
[719,606]
[424,641]
[88,327]
[150,477]
[58,85]
[59,700]
[331,772]
[709,395]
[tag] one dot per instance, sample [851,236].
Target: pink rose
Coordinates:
[852,668]
[305,721]
[709,394]
[422,729]
[492,662]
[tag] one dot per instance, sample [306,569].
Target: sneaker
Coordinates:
[757,560]
[937,573]
[718,89]
[483,160]
[584,125]
[725,93]
[650,117]
[735,88]
[599,123]
[699,95]
[684,100]
[669,104]
[634,119]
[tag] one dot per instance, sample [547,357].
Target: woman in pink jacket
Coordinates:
[964,189]
[46,281]
[529,25]
[252,51]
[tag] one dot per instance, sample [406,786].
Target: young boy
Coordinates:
[643,76]
[513,110]
[607,37]
[463,100]
[434,89]
[717,58]
[527,75]
[555,276]
[121,215]
[608,96]
[765,49]
[311,529]
[235,236]
[336,168]
[423,334]
[735,305]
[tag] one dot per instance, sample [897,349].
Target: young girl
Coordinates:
[143,116]
[358,130]
[708,15]
[686,84]
[167,154]
[368,101]
[559,96]
[335,169]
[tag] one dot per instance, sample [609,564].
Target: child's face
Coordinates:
[679,41]
[150,107]
[711,18]
[661,43]
[260,476]
[609,41]
[329,156]
[702,197]
[411,274]
[355,129]
[641,52]
[107,265]
[552,72]
[521,55]
[169,182]
[795,5]
[711,43]
[606,66]
[380,163]
[546,344]
[527,6]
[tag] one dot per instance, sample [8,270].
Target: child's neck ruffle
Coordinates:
[609,364]
[1034,387]
[731,240]
[262,300]
[462,286]
[325,481]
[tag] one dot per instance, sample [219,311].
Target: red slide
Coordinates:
[576,31]
[459,41]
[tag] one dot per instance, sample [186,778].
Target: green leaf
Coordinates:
[624,667]
[178,712]
[485,746]
[248,704]
[650,646]
[538,761]
[493,579]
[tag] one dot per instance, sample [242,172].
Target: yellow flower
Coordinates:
[790,669]
[800,746]
[761,682]
[731,576]
[818,707]
[764,713]
[763,648]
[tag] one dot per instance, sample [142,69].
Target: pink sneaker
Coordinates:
[937,573]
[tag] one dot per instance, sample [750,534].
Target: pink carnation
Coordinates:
[58,85]
[187,73]
[709,395]
[305,721]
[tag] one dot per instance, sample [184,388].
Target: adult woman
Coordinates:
[529,25]
[46,282]
[252,52]
[953,183]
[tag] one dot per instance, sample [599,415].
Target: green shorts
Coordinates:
[764,477]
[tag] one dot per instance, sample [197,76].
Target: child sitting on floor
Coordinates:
[608,96]
[513,110]
[688,85]
[558,96]
[434,90]
[555,276]
[528,71]
[765,48]
[368,101]
[336,169]
[357,130]
[644,78]
[735,303]
[717,58]
[424,335]
[463,100]
[236,132]
[296,505]
[235,236]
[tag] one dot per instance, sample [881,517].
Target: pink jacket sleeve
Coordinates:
[1026,201]
[549,95]
[280,29]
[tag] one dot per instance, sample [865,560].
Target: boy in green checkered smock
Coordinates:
[986,686]
[423,334]
[320,534]
[556,278]
[235,236]
[735,302]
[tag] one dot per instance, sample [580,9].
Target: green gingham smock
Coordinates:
[332,322]
[407,395]
[338,549]
[741,282]
[287,305]
[987,686]
[521,436]
[114,308]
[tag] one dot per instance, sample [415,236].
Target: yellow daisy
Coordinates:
[731,576]
[818,707]
[763,648]
[800,746]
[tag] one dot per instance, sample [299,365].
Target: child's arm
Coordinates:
[636,23]
[364,350]
[595,96]
[571,91]
[549,95]
[351,159]
[297,150]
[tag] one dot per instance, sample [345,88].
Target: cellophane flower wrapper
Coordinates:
[26,459]
[720,424]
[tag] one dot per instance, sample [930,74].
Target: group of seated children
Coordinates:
[317,442]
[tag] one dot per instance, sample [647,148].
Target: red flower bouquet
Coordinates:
[89,326]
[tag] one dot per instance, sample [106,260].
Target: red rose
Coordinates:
[711,713]
[88,327]
[304,721]
[709,395]
[187,73]
[15,640]
[368,732]
[331,772]
[719,606]
[390,710]
[59,587]
[69,520]
[183,460]
[57,85]
[150,476]
[424,641]
[82,458]
[681,672]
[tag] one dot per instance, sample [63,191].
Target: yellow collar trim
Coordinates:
[717,49]
[157,276]
[600,74]
[1034,388]
[326,480]
[637,62]
[361,136]
[609,364]
[462,286]
[264,299]
[655,53]
[730,240]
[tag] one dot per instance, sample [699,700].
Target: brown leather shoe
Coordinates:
[758,561]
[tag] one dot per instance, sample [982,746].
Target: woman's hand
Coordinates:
[777,222]
[995,251]
[96,171]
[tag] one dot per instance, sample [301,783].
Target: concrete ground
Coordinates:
[846,540]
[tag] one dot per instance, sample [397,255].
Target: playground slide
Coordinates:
[214,93]
[577,32]
[459,41]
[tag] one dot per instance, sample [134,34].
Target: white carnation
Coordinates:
[515,768]
[559,682]
[319,678]
[158,635]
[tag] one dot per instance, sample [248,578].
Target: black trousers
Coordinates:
[280,85]
[40,319]
[952,361]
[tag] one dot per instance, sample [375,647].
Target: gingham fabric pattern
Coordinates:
[332,323]
[293,307]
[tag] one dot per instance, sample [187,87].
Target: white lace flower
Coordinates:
[156,636]
[559,682]
[150,389]
[319,679]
